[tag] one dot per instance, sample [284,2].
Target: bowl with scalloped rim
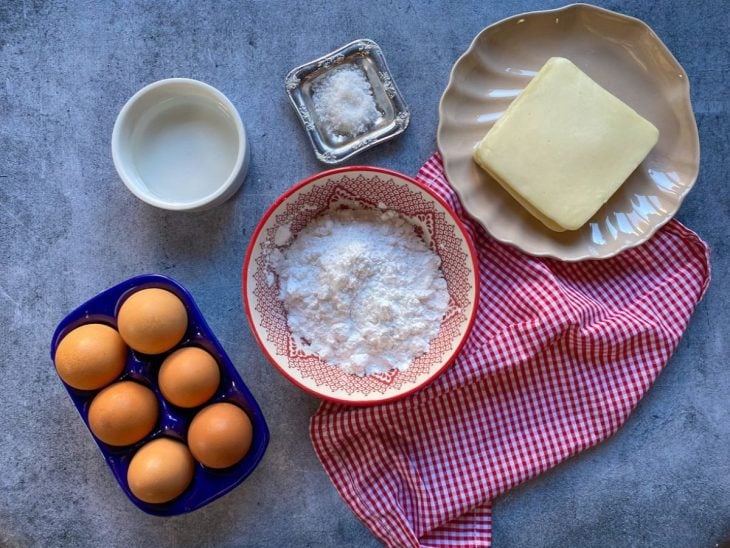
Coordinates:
[624,56]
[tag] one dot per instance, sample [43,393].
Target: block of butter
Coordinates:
[565,145]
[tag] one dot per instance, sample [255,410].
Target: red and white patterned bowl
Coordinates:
[359,187]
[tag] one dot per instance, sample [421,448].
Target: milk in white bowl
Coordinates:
[180,144]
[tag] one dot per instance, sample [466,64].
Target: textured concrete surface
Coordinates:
[69,229]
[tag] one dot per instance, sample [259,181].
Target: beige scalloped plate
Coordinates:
[624,56]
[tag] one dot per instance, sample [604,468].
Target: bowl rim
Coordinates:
[151,199]
[457,221]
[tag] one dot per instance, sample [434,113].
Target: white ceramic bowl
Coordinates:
[179,144]
[360,187]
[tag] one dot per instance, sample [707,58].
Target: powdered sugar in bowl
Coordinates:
[407,210]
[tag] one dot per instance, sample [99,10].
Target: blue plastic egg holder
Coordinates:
[207,484]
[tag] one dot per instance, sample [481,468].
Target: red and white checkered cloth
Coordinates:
[558,357]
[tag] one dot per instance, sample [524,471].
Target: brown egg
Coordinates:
[189,377]
[123,413]
[91,356]
[160,471]
[220,435]
[152,320]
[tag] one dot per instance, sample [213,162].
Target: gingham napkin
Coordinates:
[558,357]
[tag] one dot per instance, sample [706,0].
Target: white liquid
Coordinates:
[185,149]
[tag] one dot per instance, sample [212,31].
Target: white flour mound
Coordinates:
[362,291]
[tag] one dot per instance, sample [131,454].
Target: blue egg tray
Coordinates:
[208,484]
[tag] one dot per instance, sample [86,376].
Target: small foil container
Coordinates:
[366,55]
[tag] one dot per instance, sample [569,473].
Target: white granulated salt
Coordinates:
[344,102]
[362,291]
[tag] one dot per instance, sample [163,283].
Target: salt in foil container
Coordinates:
[394,115]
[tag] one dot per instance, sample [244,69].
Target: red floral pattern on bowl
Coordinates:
[359,187]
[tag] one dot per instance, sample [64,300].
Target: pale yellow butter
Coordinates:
[565,145]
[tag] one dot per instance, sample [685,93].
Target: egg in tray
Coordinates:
[167,408]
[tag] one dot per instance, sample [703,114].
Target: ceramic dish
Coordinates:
[393,112]
[207,484]
[180,144]
[621,54]
[359,187]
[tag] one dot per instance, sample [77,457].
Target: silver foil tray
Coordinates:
[394,116]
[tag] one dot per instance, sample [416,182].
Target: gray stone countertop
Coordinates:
[69,229]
